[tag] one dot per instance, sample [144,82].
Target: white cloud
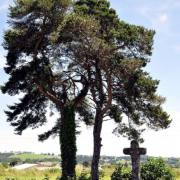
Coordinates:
[160,22]
[163,18]
[158,13]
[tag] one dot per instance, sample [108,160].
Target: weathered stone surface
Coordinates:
[135,153]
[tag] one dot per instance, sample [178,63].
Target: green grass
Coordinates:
[122,162]
[23,157]
[53,173]
[40,174]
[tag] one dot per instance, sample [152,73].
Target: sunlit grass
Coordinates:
[53,173]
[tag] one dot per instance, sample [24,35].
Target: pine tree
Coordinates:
[37,69]
[116,53]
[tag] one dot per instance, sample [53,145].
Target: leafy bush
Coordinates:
[121,173]
[14,162]
[84,175]
[5,165]
[101,174]
[86,163]
[156,169]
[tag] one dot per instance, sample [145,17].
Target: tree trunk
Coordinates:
[68,142]
[63,152]
[97,145]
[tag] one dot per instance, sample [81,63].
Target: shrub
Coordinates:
[156,169]
[101,174]
[5,165]
[121,173]
[84,175]
[14,162]
[86,164]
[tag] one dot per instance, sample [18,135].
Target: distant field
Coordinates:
[23,157]
[123,161]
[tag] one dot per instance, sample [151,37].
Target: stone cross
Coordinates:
[135,153]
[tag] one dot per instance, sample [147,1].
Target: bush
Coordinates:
[14,162]
[5,165]
[84,175]
[156,169]
[121,173]
[86,164]
[101,174]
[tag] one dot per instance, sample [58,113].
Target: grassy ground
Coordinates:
[178,173]
[53,173]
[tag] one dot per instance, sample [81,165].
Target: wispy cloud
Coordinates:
[158,17]
[160,22]
[163,18]
[159,13]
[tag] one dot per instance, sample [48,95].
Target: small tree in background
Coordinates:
[86,164]
[126,164]
[14,162]
[5,165]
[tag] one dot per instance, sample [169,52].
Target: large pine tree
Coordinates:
[40,71]
[117,53]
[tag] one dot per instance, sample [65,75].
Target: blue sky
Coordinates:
[162,16]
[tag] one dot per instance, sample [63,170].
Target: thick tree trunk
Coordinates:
[68,143]
[97,145]
[63,152]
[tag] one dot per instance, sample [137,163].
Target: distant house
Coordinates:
[107,160]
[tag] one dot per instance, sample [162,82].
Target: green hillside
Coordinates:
[23,157]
